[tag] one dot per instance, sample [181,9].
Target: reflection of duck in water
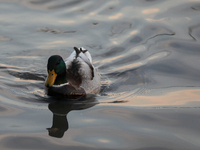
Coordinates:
[74,76]
[60,111]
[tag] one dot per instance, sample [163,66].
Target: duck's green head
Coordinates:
[56,71]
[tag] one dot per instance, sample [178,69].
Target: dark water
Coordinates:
[147,52]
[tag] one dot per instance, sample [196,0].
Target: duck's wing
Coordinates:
[76,67]
[85,56]
[72,67]
[72,73]
[86,53]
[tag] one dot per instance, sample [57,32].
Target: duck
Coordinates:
[73,76]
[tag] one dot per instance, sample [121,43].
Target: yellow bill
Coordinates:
[51,78]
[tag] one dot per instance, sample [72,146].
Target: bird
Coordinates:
[74,76]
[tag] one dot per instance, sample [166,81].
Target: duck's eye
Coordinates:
[58,62]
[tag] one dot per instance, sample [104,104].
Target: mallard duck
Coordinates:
[75,75]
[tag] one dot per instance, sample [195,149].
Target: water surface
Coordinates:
[147,53]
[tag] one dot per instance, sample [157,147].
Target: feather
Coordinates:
[72,73]
[80,54]
[77,51]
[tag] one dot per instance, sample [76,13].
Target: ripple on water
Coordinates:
[147,52]
[9,111]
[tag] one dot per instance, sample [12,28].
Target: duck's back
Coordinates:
[90,78]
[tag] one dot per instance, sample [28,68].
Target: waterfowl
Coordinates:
[74,76]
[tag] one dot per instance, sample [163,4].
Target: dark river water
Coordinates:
[148,55]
